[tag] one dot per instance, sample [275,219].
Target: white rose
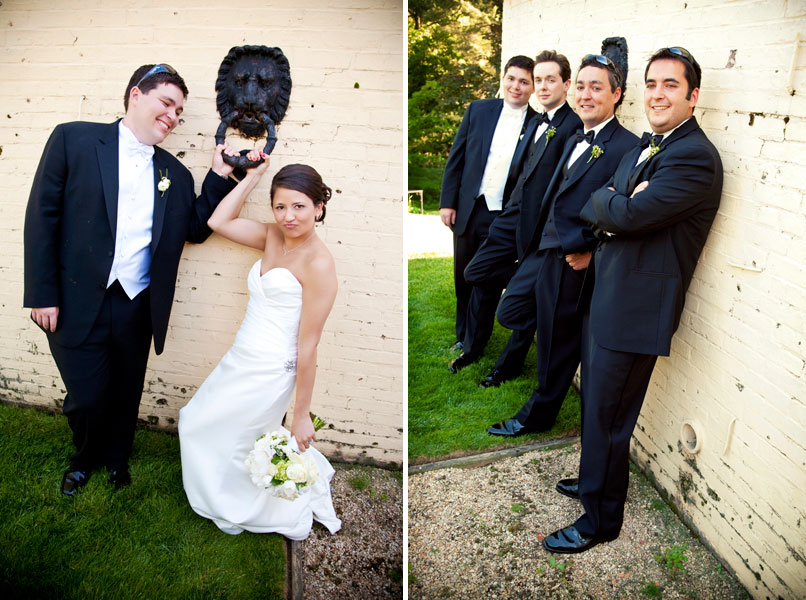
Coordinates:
[288,490]
[164,184]
[296,473]
[272,469]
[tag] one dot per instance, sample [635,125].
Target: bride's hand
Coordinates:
[303,431]
[261,168]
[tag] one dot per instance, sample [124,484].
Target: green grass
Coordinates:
[448,414]
[140,542]
[428,179]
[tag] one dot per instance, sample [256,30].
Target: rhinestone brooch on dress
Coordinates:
[290,365]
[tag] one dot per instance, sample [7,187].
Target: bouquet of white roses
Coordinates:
[282,471]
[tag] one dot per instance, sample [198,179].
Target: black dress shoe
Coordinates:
[569,487]
[461,361]
[510,428]
[120,478]
[569,541]
[74,481]
[494,378]
[458,346]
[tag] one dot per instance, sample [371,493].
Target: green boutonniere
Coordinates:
[653,149]
[550,134]
[596,152]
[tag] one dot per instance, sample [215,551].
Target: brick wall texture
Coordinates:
[737,363]
[63,61]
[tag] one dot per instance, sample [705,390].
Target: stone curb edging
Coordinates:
[475,460]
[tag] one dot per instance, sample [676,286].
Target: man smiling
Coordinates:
[107,218]
[481,171]
[545,290]
[652,235]
[495,262]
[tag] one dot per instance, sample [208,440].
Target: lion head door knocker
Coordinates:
[253,87]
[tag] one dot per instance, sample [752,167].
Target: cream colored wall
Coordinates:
[63,61]
[737,361]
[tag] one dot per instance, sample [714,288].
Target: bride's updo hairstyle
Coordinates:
[303,179]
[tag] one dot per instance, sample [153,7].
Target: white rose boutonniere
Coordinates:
[550,134]
[653,149]
[596,152]
[164,183]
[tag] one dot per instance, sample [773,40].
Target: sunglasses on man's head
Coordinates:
[160,68]
[601,59]
[678,51]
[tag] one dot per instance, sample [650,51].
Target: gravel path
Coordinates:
[365,558]
[475,533]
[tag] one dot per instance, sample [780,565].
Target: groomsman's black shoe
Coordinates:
[510,428]
[569,541]
[461,361]
[458,346]
[74,481]
[120,478]
[494,378]
[569,487]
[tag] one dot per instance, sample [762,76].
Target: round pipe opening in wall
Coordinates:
[691,436]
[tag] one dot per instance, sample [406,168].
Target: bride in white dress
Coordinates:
[291,292]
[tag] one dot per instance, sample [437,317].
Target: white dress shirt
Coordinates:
[505,139]
[583,145]
[132,263]
[543,126]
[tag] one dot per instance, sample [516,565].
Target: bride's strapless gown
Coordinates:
[244,397]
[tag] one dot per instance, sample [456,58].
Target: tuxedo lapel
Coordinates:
[636,171]
[160,198]
[586,161]
[107,152]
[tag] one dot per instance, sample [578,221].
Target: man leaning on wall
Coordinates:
[107,219]
[481,171]
[652,218]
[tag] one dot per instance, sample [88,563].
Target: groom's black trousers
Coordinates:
[104,379]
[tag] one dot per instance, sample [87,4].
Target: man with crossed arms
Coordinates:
[652,235]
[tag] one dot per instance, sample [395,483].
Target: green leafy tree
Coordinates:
[454,57]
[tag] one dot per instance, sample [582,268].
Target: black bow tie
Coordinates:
[543,118]
[588,137]
[647,138]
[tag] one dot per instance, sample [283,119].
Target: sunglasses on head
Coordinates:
[678,51]
[601,59]
[160,68]
[605,62]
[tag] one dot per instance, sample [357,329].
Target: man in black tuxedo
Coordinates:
[107,218]
[481,171]
[545,290]
[652,236]
[496,260]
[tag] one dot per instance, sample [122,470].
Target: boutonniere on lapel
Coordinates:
[550,134]
[164,183]
[596,152]
[653,148]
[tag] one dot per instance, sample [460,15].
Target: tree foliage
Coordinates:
[454,57]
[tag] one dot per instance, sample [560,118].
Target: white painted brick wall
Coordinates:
[740,352]
[54,52]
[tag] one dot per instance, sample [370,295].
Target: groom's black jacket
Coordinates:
[70,227]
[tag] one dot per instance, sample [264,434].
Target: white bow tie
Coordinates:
[135,149]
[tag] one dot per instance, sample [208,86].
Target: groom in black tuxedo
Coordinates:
[545,290]
[482,168]
[107,218]
[511,231]
[652,235]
